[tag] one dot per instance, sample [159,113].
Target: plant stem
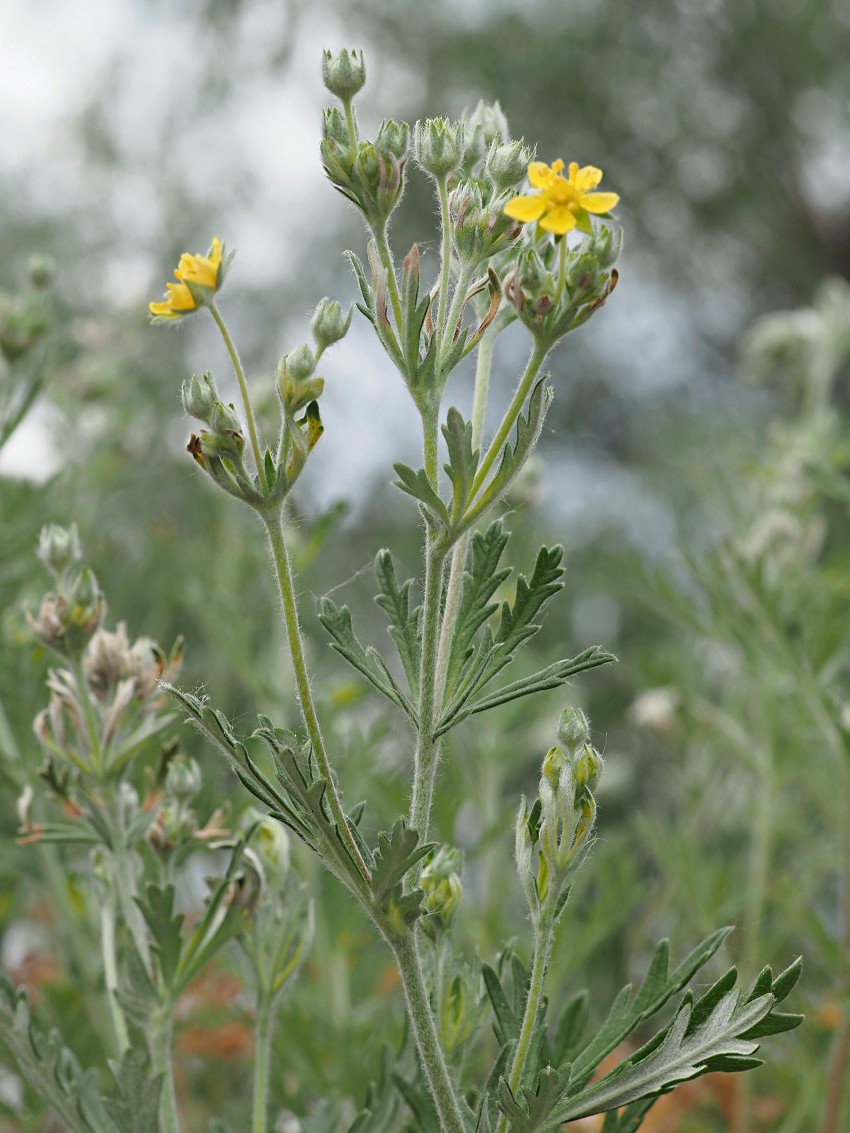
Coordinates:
[837,1076]
[544,935]
[425,1032]
[110,973]
[385,255]
[263,1027]
[350,120]
[535,361]
[426,756]
[161,1030]
[92,729]
[283,571]
[454,315]
[454,587]
[243,390]
[445,257]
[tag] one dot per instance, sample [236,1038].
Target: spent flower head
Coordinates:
[198,279]
[561,203]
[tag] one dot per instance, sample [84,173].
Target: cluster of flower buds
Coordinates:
[480,228]
[441,884]
[484,127]
[175,824]
[553,835]
[25,318]
[114,685]
[219,450]
[551,304]
[71,614]
[369,173]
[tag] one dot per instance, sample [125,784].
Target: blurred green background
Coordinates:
[704,515]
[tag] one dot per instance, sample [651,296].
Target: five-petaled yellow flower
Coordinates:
[198,278]
[561,203]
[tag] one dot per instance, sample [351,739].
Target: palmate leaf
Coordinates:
[396,854]
[480,583]
[50,1068]
[165,928]
[417,484]
[135,1107]
[463,461]
[394,600]
[553,676]
[627,1011]
[337,621]
[529,1110]
[714,1034]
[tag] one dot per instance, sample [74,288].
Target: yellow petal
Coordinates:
[557,166]
[588,177]
[599,202]
[162,310]
[539,175]
[525,209]
[215,251]
[558,221]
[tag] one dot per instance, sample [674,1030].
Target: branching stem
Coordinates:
[243,390]
[286,587]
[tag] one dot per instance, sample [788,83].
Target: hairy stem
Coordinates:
[426,756]
[161,1031]
[544,936]
[445,257]
[535,361]
[837,1075]
[263,1028]
[385,255]
[110,973]
[454,587]
[425,1033]
[243,390]
[286,586]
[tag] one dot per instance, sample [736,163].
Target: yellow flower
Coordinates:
[562,203]
[198,278]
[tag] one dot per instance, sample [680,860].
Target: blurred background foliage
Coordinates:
[705,516]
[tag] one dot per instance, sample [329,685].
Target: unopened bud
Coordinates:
[59,547]
[393,138]
[573,728]
[270,842]
[183,778]
[199,396]
[224,419]
[440,881]
[329,324]
[335,127]
[343,74]
[42,269]
[486,125]
[506,164]
[300,363]
[438,146]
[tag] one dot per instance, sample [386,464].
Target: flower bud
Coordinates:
[300,363]
[335,127]
[328,323]
[573,728]
[479,226]
[59,547]
[270,842]
[486,125]
[343,74]
[42,269]
[440,881]
[506,164]
[393,139]
[438,146]
[183,779]
[224,419]
[199,396]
